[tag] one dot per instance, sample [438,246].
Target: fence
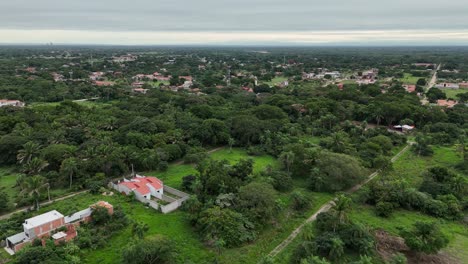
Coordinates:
[174,203]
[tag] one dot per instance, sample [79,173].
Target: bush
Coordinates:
[281,181]
[300,201]
[425,237]
[155,250]
[384,209]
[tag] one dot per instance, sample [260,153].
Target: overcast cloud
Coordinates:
[218,17]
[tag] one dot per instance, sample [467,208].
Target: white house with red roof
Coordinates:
[142,186]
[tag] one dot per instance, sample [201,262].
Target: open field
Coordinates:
[276,80]
[8,181]
[452,93]
[174,174]
[409,79]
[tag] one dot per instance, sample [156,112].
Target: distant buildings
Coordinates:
[15,103]
[104,83]
[124,58]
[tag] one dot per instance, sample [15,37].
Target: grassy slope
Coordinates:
[8,181]
[409,167]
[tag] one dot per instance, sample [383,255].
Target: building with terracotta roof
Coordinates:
[17,103]
[142,186]
[447,103]
[410,88]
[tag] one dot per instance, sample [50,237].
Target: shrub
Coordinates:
[384,209]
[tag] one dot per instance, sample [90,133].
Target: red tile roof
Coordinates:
[140,184]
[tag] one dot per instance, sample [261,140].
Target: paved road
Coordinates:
[327,206]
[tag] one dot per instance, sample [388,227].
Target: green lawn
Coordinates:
[174,174]
[276,80]
[452,93]
[8,182]
[260,162]
[409,79]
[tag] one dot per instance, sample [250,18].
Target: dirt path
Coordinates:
[180,162]
[24,209]
[327,206]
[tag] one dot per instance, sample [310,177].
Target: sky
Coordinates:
[254,22]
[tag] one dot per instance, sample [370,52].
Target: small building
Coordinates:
[447,86]
[104,83]
[410,88]
[446,103]
[16,103]
[45,225]
[463,85]
[140,90]
[142,186]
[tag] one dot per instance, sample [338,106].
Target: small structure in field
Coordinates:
[152,192]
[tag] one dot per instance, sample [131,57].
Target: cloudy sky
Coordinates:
[379,22]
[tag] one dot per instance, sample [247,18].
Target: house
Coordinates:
[447,86]
[186,78]
[138,84]
[447,103]
[463,85]
[142,186]
[410,88]
[333,74]
[46,225]
[140,90]
[124,58]
[104,83]
[94,76]
[17,103]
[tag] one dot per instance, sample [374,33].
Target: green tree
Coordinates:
[287,158]
[69,167]
[154,250]
[25,155]
[34,186]
[35,166]
[425,237]
[257,201]
[139,229]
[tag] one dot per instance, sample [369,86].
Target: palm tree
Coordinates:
[69,167]
[336,248]
[287,158]
[342,205]
[34,187]
[35,166]
[231,142]
[139,229]
[26,154]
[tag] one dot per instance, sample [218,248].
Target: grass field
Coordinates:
[174,174]
[409,167]
[156,84]
[452,93]
[8,181]
[276,80]
[409,79]
[84,103]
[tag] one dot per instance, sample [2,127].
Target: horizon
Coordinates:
[249,22]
